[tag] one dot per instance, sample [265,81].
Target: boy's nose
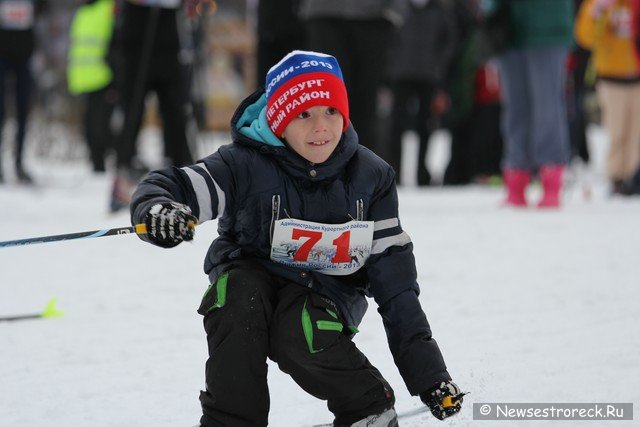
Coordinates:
[319,124]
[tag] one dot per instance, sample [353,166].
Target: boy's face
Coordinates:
[315,133]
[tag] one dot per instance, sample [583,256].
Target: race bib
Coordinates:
[333,249]
[16,14]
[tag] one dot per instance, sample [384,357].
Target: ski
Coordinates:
[403,415]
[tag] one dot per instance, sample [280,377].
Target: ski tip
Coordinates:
[50,310]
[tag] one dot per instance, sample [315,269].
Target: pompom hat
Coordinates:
[302,80]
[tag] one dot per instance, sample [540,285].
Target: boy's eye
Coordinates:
[331,111]
[303,115]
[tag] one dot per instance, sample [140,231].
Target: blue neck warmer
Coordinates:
[253,123]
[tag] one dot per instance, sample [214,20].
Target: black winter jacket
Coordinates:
[17,23]
[249,184]
[425,46]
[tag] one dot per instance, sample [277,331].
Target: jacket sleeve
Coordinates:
[586,26]
[206,187]
[391,271]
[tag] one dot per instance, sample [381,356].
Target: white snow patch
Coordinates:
[527,306]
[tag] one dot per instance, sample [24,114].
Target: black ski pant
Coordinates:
[250,315]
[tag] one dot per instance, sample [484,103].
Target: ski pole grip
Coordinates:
[142,228]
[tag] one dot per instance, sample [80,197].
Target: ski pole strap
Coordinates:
[137,229]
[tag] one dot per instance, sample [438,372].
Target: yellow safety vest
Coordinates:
[91,32]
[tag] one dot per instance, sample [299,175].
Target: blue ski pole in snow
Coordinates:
[137,229]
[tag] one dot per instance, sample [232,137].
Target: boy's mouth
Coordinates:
[318,143]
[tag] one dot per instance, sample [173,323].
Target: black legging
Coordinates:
[411,110]
[22,73]
[151,64]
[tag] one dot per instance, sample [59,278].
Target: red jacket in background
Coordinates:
[487,84]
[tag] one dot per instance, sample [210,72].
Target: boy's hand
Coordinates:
[440,103]
[444,400]
[168,224]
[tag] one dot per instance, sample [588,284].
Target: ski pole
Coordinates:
[137,229]
[50,310]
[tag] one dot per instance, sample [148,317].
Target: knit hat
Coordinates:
[302,80]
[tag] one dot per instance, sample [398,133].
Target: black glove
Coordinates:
[444,400]
[168,224]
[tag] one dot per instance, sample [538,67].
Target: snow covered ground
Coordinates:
[527,306]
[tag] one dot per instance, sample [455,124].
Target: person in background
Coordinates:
[478,139]
[17,19]
[420,56]
[89,73]
[632,186]
[606,28]
[280,31]
[474,117]
[578,84]
[534,116]
[151,62]
[358,34]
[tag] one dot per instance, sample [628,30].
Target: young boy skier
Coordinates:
[308,226]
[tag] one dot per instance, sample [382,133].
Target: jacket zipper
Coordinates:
[360,210]
[275,214]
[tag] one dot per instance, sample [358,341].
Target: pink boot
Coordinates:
[516,181]
[551,179]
